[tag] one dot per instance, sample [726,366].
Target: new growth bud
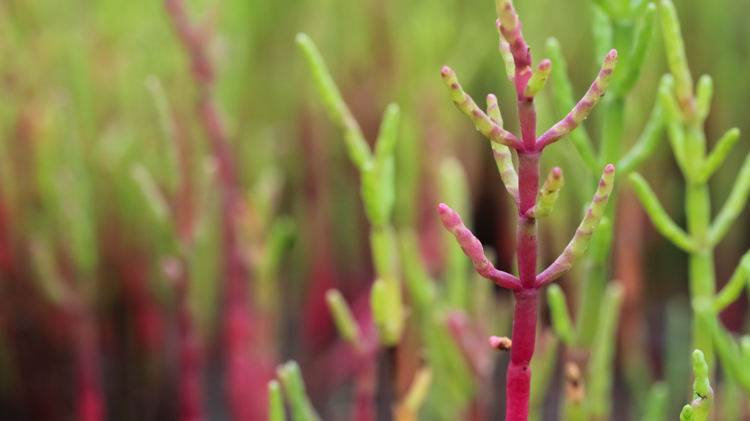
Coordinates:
[548,195]
[538,79]
[500,343]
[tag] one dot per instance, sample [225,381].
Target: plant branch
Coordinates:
[473,249]
[483,123]
[583,234]
[733,206]
[659,217]
[584,106]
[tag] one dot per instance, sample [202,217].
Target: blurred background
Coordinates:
[159,218]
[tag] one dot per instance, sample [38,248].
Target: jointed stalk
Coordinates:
[687,109]
[526,287]
[245,370]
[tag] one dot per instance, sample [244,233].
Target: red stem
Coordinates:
[89,399]
[190,384]
[525,312]
[247,370]
[365,387]
[518,383]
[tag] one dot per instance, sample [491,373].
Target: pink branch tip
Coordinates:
[584,106]
[472,247]
[500,343]
[583,234]
[483,123]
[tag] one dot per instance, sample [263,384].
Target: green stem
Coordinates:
[701,264]
[596,274]
[614,122]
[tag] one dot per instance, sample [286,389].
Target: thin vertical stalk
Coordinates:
[89,399]
[526,287]
[518,384]
[246,376]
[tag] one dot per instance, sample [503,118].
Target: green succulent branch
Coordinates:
[275,402]
[377,169]
[290,376]
[686,112]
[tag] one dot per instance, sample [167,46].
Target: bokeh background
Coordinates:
[113,219]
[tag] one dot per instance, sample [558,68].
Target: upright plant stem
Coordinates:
[518,383]
[89,399]
[701,265]
[524,188]
[247,377]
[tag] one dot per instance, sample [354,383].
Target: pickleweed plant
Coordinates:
[377,171]
[376,168]
[687,110]
[522,183]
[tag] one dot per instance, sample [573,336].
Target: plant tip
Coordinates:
[500,343]
[301,38]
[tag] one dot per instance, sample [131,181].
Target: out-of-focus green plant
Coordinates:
[378,187]
[686,112]
[596,405]
[293,384]
[656,402]
[378,192]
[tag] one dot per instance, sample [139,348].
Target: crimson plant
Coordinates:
[522,183]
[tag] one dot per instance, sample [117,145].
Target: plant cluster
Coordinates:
[165,250]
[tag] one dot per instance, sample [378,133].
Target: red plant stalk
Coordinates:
[190,350]
[247,376]
[365,387]
[523,186]
[89,399]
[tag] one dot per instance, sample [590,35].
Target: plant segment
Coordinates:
[522,183]
[699,409]
[376,168]
[687,111]
[247,326]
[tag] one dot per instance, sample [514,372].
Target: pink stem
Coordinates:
[518,383]
[364,390]
[247,371]
[524,318]
[89,399]
[190,389]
